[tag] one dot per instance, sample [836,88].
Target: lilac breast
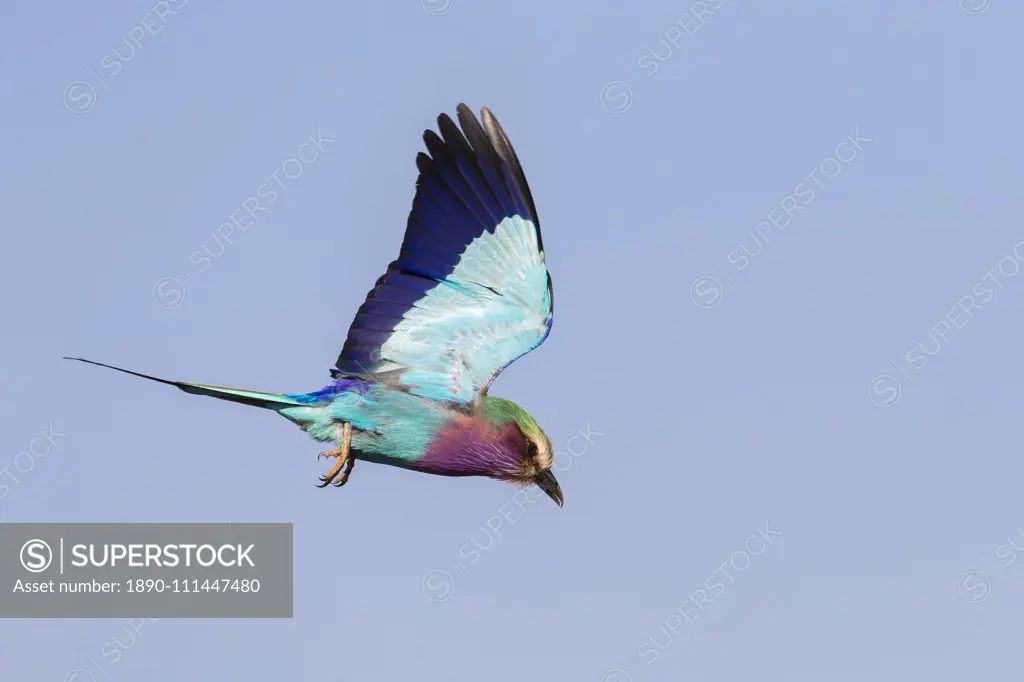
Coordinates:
[469,446]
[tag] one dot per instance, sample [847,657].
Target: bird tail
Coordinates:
[269,401]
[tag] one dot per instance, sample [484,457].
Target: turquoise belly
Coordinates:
[387,424]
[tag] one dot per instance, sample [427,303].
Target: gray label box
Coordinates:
[146,570]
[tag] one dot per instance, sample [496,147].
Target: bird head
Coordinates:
[536,456]
[537,462]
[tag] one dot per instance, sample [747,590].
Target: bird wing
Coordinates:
[470,291]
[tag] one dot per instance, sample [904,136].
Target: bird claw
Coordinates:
[344,460]
[343,478]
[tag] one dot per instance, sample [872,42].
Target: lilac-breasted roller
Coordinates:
[468,295]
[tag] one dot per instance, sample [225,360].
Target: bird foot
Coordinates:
[332,477]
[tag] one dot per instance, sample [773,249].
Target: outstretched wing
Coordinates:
[469,292]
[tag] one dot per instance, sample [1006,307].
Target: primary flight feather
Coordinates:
[468,295]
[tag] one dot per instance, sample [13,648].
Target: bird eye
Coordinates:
[531,449]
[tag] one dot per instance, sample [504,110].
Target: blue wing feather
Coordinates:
[469,292]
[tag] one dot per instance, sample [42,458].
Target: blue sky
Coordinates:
[784,240]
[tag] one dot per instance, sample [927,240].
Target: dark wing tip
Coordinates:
[503,146]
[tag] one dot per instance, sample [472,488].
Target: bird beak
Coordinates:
[545,480]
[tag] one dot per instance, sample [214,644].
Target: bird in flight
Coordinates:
[468,295]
